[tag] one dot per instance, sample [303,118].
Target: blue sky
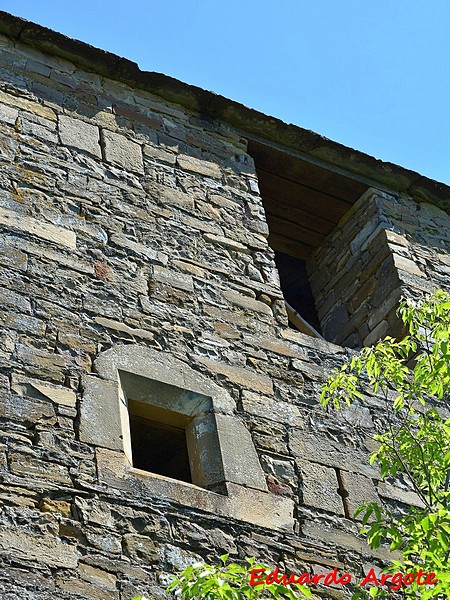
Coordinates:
[373,75]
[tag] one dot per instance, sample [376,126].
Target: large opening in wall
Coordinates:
[303,200]
[297,293]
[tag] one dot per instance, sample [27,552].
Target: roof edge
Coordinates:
[246,120]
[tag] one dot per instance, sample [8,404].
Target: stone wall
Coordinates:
[384,248]
[126,221]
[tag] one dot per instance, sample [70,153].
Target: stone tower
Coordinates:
[159,386]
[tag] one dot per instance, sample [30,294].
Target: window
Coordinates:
[304,199]
[170,431]
[138,394]
[158,441]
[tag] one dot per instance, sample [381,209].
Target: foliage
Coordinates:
[230,582]
[412,375]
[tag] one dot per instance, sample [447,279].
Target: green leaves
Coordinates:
[231,582]
[413,377]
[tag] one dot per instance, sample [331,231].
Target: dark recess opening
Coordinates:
[296,287]
[159,448]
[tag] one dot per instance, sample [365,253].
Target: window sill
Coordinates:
[257,507]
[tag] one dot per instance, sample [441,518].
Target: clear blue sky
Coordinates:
[371,74]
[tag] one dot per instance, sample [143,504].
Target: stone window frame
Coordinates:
[223,445]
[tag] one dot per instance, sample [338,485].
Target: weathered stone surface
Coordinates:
[239,375]
[58,395]
[123,328]
[32,107]
[227,242]
[51,233]
[141,547]
[315,447]
[319,487]
[80,135]
[178,280]
[8,114]
[55,506]
[121,151]
[405,264]
[202,167]
[172,291]
[100,422]
[23,545]
[139,249]
[281,412]
[27,466]
[247,303]
[408,497]
[27,409]
[361,490]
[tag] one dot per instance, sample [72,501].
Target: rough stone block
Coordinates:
[123,328]
[244,377]
[315,447]
[79,588]
[120,150]
[405,264]
[267,408]
[200,166]
[140,249]
[19,322]
[220,240]
[55,506]
[360,489]
[58,395]
[376,334]
[30,410]
[80,135]
[246,302]
[44,129]
[100,422]
[40,358]
[171,196]
[141,547]
[46,231]
[392,492]
[34,468]
[8,114]
[12,257]
[172,278]
[33,107]
[24,545]
[14,300]
[319,487]
[160,155]
[97,577]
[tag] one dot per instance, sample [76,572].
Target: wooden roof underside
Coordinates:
[303,201]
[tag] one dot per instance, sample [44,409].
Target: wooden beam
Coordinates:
[324,179]
[301,197]
[293,248]
[293,231]
[284,211]
[303,326]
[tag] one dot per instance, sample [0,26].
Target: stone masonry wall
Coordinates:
[126,221]
[383,248]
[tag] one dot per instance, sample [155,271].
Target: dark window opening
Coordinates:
[304,199]
[158,441]
[296,288]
